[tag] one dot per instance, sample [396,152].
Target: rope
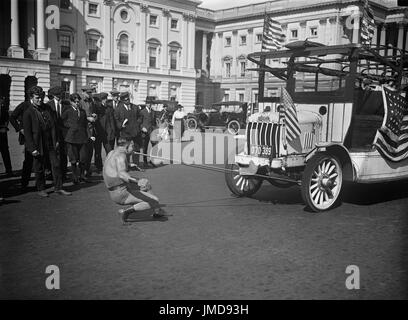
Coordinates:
[216,169]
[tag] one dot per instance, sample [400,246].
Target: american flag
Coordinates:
[272,36]
[291,120]
[368,26]
[391,139]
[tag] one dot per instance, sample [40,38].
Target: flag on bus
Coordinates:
[272,36]
[367,27]
[290,114]
[391,139]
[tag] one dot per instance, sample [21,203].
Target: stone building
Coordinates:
[225,37]
[169,49]
[146,48]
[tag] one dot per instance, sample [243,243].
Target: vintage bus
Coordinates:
[351,109]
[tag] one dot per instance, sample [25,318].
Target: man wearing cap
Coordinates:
[57,108]
[128,119]
[87,104]
[105,128]
[41,140]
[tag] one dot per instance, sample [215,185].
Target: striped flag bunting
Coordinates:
[368,26]
[291,120]
[391,139]
[272,36]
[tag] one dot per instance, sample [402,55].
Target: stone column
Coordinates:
[204,53]
[357,28]
[165,32]
[401,35]
[184,34]
[191,41]
[382,38]
[42,51]
[144,11]
[406,40]
[15,50]
[40,25]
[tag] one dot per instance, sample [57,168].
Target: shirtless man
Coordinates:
[125,189]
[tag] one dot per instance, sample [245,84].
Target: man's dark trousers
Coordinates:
[39,169]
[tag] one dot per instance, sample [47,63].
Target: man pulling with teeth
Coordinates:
[125,189]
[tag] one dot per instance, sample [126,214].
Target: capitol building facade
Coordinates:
[170,50]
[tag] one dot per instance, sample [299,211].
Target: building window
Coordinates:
[124,49]
[228,41]
[313,32]
[65,4]
[241,97]
[153,20]
[243,68]
[228,69]
[152,57]
[93,9]
[93,49]
[174,24]
[294,34]
[243,40]
[65,42]
[124,15]
[173,59]
[65,85]
[226,97]
[259,37]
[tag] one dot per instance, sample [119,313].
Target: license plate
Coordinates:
[261,151]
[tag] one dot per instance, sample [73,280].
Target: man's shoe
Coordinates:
[62,192]
[84,179]
[134,166]
[159,213]
[42,194]
[124,213]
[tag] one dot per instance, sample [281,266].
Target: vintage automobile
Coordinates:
[351,108]
[157,107]
[229,115]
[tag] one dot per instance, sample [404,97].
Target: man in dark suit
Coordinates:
[57,108]
[128,119]
[42,141]
[147,127]
[87,103]
[105,129]
[16,120]
[76,122]
[113,103]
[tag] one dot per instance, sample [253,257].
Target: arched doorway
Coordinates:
[29,82]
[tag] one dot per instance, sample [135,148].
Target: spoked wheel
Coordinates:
[192,124]
[233,127]
[242,186]
[322,181]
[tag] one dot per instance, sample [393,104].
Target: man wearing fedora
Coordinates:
[128,119]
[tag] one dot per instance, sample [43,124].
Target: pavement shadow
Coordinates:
[145,217]
[271,194]
[368,194]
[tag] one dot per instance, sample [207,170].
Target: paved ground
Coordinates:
[213,246]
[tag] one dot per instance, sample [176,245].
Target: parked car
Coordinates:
[157,107]
[229,115]
[353,119]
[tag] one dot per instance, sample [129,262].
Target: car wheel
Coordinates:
[192,124]
[242,186]
[322,182]
[233,127]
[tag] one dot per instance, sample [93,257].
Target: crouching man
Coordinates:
[125,189]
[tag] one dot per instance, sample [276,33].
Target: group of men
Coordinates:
[75,129]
